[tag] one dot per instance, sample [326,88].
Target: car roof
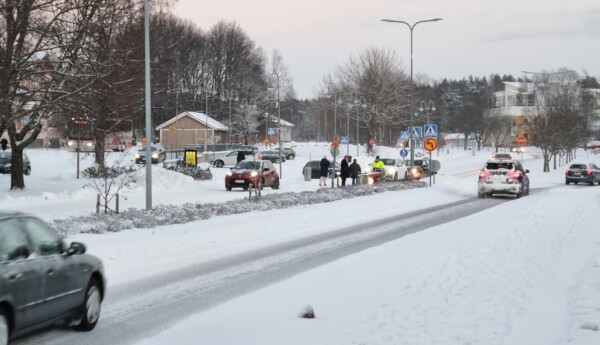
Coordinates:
[12,214]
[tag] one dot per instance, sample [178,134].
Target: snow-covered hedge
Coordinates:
[170,214]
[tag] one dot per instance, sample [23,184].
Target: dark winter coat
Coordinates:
[324,167]
[354,169]
[240,156]
[344,171]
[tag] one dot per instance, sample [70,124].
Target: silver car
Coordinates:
[43,281]
[503,176]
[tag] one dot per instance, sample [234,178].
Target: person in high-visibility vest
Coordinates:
[378,165]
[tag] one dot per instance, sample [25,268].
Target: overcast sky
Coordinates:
[474,38]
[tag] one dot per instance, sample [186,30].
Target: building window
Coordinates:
[525,121]
[526,135]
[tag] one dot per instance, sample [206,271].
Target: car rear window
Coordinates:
[578,166]
[497,165]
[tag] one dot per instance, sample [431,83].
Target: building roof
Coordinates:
[284,123]
[200,117]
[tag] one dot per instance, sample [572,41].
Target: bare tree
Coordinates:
[40,44]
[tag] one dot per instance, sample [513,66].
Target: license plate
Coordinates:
[576,174]
[239,181]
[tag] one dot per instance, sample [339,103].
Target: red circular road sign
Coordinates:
[521,140]
[430,144]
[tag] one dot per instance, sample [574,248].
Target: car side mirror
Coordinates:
[265,169]
[76,248]
[527,171]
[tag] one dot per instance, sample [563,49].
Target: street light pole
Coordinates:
[228,95]
[411,27]
[279,124]
[206,87]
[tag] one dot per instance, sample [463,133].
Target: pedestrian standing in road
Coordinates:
[324,170]
[344,171]
[354,170]
[240,156]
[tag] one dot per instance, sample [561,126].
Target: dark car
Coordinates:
[261,173]
[582,172]
[272,156]
[421,168]
[5,164]
[42,281]
[288,152]
[315,168]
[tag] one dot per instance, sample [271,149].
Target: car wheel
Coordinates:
[291,157]
[527,190]
[90,310]
[576,182]
[406,176]
[261,183]
[396,177]
[219,164]
[4,328]
[228,188]
[245,188]
[275,184]
[567,182]
[481,195]
[28,171]
[592,183]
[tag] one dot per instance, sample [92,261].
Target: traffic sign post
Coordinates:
[430,144]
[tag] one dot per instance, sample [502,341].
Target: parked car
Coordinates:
[582,172]
[315,168]
[272,156]
[5,164]
[503,176]
[229,158]
[43,281]
[288,153]
[394,169]
[158,154]
[260,173]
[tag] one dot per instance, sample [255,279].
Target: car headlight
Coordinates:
[254,174]
[370,180]
[229,173]
[155,155]
[89,144]
[414,171]
[70,143]
[137,156]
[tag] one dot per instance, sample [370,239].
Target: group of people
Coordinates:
[347,171]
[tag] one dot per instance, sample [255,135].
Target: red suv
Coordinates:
[259,173]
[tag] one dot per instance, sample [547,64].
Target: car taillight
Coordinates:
[567,170]
[588,171]
[514,174]
[483,174]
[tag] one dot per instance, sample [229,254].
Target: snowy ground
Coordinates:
[524,272]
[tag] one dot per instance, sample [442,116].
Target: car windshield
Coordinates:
[152,148]
[387,161]
[578,166]
[243,165]
[4,157]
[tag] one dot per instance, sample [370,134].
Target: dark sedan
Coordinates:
[42,281]
[582,172]
[272,156]
[315,168]
[5,164]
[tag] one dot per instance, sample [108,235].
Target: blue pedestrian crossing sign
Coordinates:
[430,130]
[271,131]
[415,132]
[403,135]
[403,153]
[343,139]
